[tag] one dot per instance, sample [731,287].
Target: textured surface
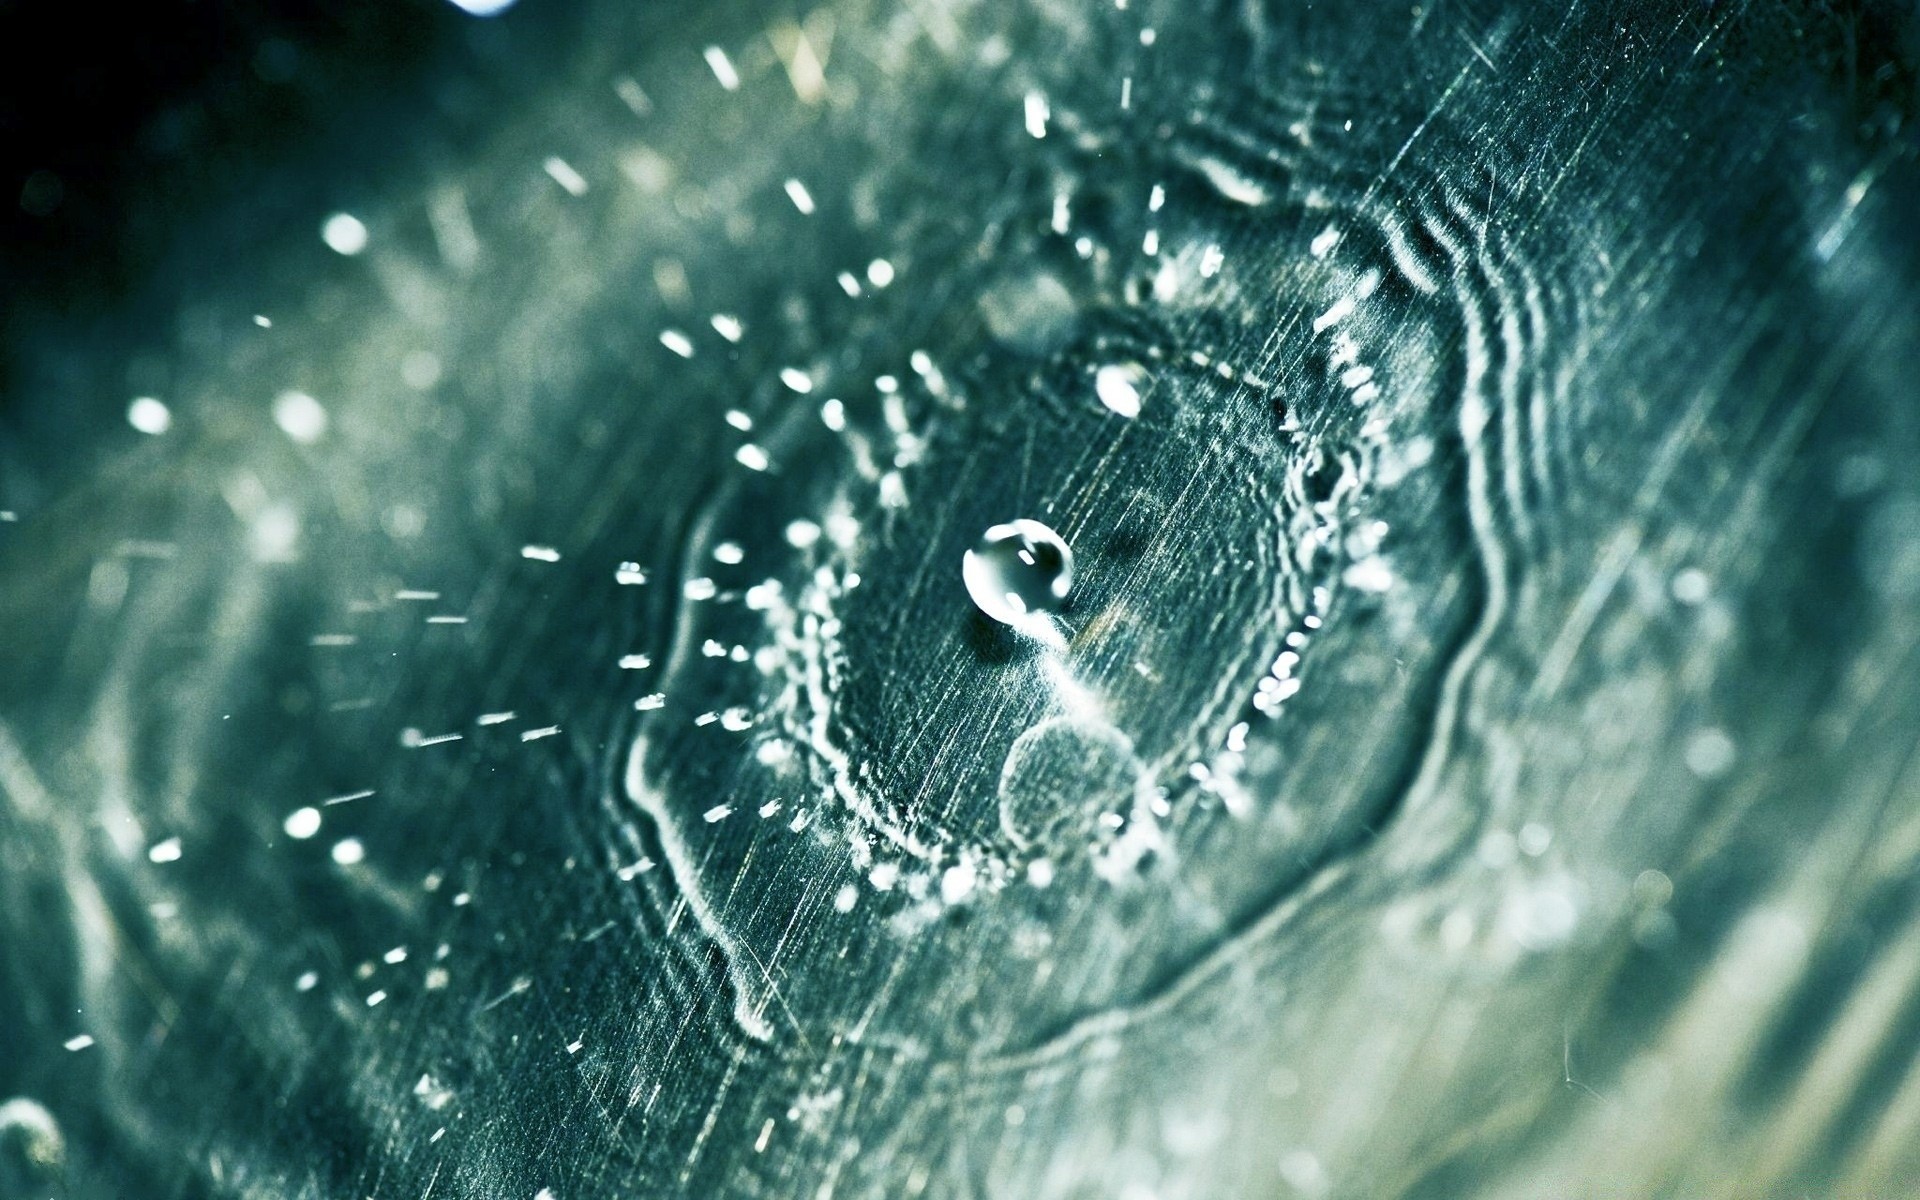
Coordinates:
[1477,754]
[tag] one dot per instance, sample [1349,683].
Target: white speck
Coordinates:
[846,898]
[629,574]
[446,619]
[483,8]
[375,999]
[1341,310]
[540,553]
[1710,753]
[722,67]
[574,1046]
[729,553]
[79,1043]
[956,882]
[415,594]
[1302,1170]
[302,823]
[728,327]
[164,852]
[1691,587]
[848,283]
[884,876]
[300,417]
[1150,244]
[349,796]
[1369,575]
[1062,213]
[833,415]
[1210,261]
[739,420]
[880,272]
[420,370]
[677,342]
[1037,114]
[1148,36]
[796,379]
[348,851]
[650,702]
[802,534]
[564,175]
[700,588]
[706,718]
[534,735]
[307,982]
[395,956]
[493,718]
[801,197]
[632,95]
[1324,242]
[544,1194]
[1117,387]
[263,321]
[717,813]
[752,457]
[1040,872]
[344,234]
[1534,839]
[149,415]
[635,662]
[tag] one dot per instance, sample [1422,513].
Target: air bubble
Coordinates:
[1017,571]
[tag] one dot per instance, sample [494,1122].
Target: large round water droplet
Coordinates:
[1018,571]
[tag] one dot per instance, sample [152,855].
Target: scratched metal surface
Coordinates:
[560,758]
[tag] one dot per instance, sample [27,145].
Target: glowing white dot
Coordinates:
[344,233]
[1037,114]
[677,342]
[540,553]
[880,272]
[149,415]
[728,327]
[302,823]
[729,553]
[722,67]
[79,1043]
[801,197]
[348,851]
[300,417]
[562,173]
[801,534]
[752,457]
[956,883]
[796,379]
[1117,388]
[483,8]
[165,852]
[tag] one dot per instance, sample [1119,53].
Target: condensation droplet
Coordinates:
[1018,570]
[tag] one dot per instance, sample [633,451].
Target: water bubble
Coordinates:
[1018,570]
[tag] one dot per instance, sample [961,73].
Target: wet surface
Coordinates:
[505,717]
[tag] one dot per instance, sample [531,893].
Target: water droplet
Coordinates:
[1017,571]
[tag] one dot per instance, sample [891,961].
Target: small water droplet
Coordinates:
[1017,571]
